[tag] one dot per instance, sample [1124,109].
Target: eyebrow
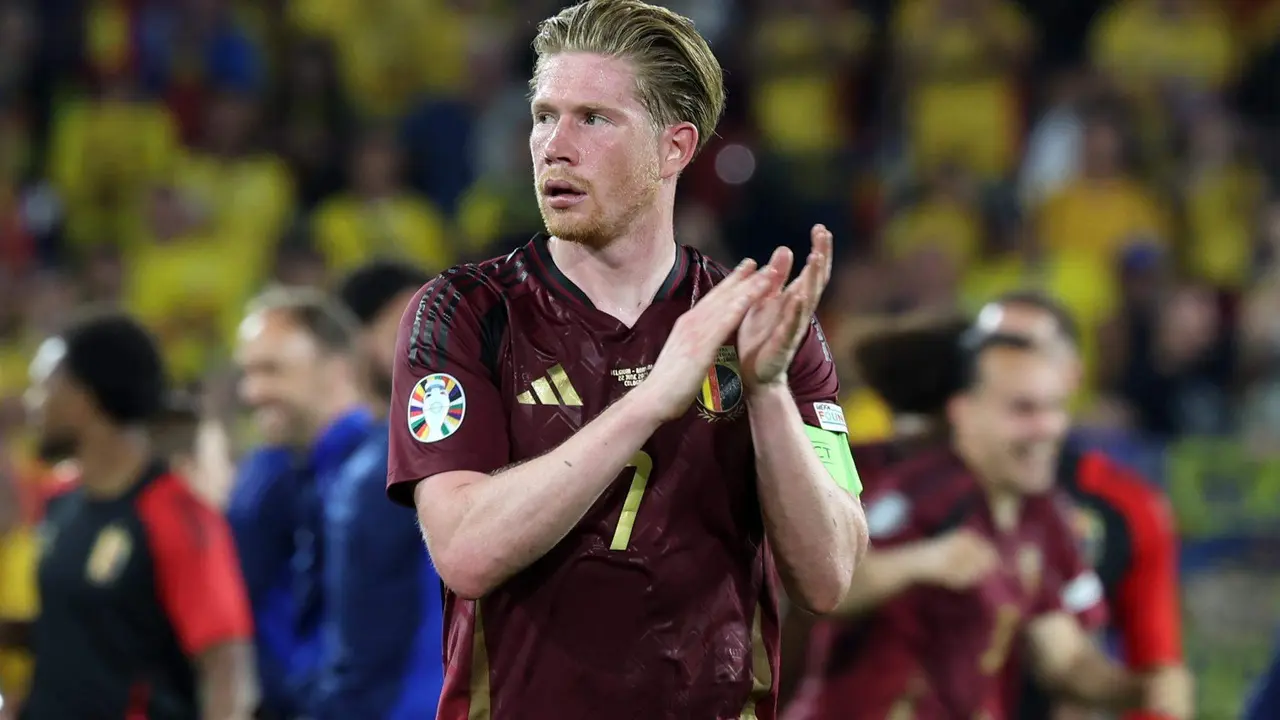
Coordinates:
[579,109]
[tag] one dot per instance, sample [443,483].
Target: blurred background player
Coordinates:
[1124,526]
[375,564]
[301,376]
[143,611]
[958,631]
[609,439]
[1134,552]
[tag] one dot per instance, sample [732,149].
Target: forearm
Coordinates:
[1096,680]
[816,527]
[883,574]
[489,527]
[228,690]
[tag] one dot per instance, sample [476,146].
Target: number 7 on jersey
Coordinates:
[642,466]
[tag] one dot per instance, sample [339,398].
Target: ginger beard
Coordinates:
[598,212]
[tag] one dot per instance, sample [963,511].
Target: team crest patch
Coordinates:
[721,396]
[110,553]
[437,406]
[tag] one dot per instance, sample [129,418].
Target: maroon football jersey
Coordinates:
[935,654]
[660,603]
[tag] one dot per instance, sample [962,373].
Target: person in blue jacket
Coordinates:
[302,377]
[383,653]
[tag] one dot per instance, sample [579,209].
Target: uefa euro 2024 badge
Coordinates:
[437,407]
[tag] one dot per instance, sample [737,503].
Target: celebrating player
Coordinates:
[632,436]
[1120,521]
[143,610]
[1124,526]
[941,649]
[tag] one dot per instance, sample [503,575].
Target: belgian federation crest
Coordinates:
[721,397]
[437,407]
[109,555]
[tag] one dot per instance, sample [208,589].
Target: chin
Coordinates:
[581,231]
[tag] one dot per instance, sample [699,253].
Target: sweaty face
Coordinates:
[54,404]
[595,149]
[1015,418]
[282,373]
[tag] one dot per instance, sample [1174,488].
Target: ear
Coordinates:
[679,144]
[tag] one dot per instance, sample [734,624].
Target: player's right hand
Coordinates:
[696,337]
[961,559]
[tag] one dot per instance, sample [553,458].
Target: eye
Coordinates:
[541,118]
[596,119]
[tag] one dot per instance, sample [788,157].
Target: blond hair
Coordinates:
[678,78]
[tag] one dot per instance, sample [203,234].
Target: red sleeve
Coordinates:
[1146,603]
[446,411]
[197,573]
[814,384]
[1070,585]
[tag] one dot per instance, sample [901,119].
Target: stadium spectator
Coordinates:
[379,217]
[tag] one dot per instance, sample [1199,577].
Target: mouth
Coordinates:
[561,194]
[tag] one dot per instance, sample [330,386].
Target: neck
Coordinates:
[622,276]
[112,461]
[340,403]
[1005,507]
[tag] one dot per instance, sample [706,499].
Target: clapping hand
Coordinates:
[775,325]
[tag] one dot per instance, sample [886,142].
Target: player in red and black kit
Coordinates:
[609,440]
[143,611]
[1125,530]
[940,648]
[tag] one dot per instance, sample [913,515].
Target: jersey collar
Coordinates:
[677,283]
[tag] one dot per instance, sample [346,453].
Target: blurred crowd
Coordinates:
[174,157]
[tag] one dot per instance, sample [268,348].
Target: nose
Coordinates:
[559,147]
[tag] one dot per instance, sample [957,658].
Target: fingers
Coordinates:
[793,318]
[823,243]
[780,263]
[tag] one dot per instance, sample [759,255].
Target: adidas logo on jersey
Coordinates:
[553,388]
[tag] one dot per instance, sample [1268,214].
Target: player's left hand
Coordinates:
[773,328]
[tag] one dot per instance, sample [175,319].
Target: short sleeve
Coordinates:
[197,572]
[814,383]
[1069,584]
[1146,602]
[446,411]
